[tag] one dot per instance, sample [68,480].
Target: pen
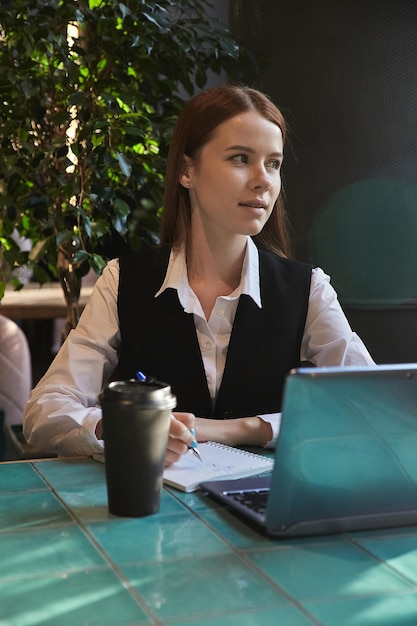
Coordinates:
[194,445]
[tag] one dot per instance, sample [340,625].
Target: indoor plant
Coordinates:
[90,89]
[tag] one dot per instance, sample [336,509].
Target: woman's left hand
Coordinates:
[242,431]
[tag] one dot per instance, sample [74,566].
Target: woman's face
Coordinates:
[237,179]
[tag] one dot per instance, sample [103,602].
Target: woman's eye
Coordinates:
[240,158]
[275,164]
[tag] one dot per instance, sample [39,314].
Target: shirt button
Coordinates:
[219,312]
[207,345]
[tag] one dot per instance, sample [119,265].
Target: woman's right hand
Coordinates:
[180,437]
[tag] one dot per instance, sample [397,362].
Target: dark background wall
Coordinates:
[345,75]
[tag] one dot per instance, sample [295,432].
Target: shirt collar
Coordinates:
[176,275]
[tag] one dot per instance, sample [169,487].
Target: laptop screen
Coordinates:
[347,447]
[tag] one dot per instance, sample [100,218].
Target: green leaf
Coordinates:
[97,263]
[40,275]
[122,208]
[151,19]
[80,256]
[124,164]
[77,98]
[124,9]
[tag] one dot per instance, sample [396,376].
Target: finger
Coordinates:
[188,419]
[180,438]
[177,446]
[171,458]
[180,428]
[175,450]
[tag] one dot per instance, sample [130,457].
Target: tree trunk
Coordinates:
[71,284]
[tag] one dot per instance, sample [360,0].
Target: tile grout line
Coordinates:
[114,568]
[252,566]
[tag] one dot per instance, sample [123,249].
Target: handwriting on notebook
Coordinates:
[219,461]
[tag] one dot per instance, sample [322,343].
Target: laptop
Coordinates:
[346,455]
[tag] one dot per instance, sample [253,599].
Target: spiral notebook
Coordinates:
[218,462]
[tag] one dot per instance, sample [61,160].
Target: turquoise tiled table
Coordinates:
[64,560]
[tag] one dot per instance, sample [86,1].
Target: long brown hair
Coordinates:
[195,127]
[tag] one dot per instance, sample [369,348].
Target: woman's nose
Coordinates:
[260,178]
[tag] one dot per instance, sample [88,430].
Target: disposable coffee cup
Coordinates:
[136,421]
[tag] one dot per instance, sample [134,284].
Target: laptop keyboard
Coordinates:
[255,500]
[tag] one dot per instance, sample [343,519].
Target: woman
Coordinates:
[218,311]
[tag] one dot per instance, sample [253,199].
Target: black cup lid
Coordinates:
[152,394]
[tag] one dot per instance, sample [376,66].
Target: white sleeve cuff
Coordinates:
[275,420]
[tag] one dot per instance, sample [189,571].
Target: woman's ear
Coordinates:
[185,176]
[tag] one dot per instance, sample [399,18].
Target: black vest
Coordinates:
[159,338]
